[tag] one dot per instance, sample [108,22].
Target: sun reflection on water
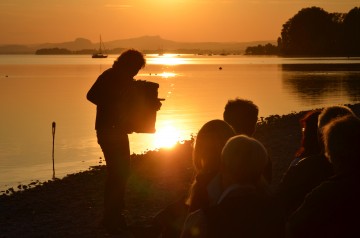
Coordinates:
[167,59]
[167,74]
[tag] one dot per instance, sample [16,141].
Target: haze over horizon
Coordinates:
[43,21]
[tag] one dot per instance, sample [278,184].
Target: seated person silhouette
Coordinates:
[242,115]
[209,142]
[332,209]
[310,171]
[206,159]
[244,208]
[309,144]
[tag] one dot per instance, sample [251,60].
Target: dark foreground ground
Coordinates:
[72,206]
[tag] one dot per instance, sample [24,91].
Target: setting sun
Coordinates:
[166,136]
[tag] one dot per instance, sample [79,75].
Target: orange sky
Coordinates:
[40,21]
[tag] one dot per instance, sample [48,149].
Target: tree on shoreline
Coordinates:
[53,51]
[268,49]
[352,32]
[315,32]
[310,31]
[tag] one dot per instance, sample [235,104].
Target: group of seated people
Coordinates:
[230,195]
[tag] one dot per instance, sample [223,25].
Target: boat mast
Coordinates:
[100,50]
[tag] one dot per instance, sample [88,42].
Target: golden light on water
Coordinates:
[166,136]
[167,75]
[166,59]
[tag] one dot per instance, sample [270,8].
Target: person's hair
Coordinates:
[242,115]
[330,113]
[326,116]
[209,142]
[244,159]
[342,143]
[131,58]
[309,140]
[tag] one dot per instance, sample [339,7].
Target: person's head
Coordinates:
[242,115]
[342,143]
[243,160]
[130,62]
[309,140]
[330,113]
[209,142]
[327,115]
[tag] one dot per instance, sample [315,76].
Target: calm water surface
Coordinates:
[37,90]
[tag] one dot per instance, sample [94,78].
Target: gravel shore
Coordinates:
[72,206]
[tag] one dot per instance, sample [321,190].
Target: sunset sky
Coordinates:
[40,21]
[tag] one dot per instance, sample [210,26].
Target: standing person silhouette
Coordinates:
[111,93]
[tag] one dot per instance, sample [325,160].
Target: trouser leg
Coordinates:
[115,147]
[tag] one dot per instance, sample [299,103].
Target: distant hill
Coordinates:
[144,43]
[77,44]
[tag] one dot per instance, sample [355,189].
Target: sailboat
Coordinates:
[100,53]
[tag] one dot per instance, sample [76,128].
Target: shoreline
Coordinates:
[72,206]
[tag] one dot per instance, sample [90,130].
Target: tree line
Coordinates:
[315,32]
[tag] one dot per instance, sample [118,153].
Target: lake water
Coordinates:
[38,90]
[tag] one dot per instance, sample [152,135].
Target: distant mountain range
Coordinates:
[144,43]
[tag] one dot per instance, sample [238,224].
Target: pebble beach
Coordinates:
[72,206]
